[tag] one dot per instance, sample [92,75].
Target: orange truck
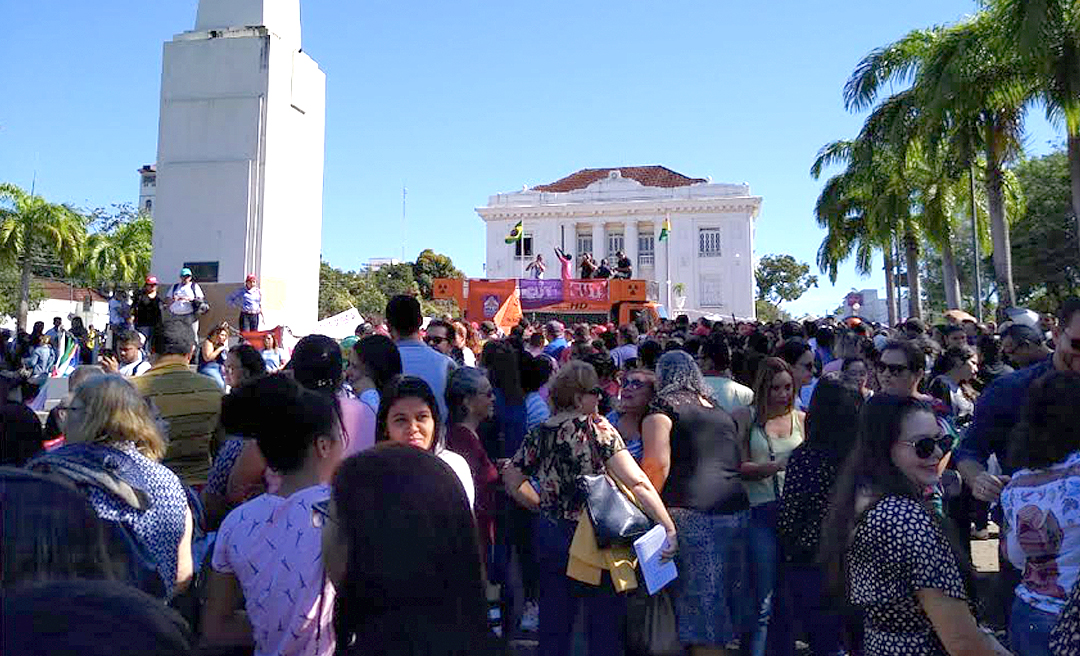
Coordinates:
[505,302]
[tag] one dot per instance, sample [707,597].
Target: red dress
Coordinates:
[463,441]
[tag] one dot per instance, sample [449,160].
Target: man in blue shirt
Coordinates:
[417,358]
[249,299]
[1001,405]
[555,331]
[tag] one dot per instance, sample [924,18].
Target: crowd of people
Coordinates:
[417,488]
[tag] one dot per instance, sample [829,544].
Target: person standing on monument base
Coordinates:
[186,297]
[249,299]
[147,310]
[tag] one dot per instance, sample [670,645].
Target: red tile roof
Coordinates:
[649,176]
[59,290]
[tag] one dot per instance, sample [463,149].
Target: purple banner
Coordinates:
[536,294]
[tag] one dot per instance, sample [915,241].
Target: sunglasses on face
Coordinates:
[633,384]
[894,369]
[435,340]
[924,446]
[596,390]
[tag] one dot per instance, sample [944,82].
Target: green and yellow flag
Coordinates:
[665,228]
[516,234]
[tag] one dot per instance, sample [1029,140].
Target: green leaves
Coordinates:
[782,278]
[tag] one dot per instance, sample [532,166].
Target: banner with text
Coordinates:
[537,294]
[587,291]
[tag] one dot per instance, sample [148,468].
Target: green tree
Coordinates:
[782,278]
[119,248]
[767,311]
[9,291]
[430,265]
[1044,254]
[395,279]
[339,290]
[29,223]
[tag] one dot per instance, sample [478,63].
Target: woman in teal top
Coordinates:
[769,430]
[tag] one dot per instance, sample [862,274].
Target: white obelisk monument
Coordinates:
[240,157]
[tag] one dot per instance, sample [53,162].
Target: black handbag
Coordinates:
[616,519]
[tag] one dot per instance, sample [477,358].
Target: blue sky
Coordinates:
[460,100]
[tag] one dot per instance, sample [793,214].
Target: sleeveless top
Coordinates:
[765,448]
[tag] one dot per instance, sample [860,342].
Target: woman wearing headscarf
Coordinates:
[691,453]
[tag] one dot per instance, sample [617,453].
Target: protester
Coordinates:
[471,400]
[691,452]
[407,573]
[900,369]
[555,333]
[991,366]
[128,360]
[951,382]
[249,300]
[887,549]
[417,358]
[185,300]
[40,361]
[769,431]
[588,266]
[147,309]
[623,266]
[543,476]
[716,368]
[1041,529]
[439,335]
[536,268]
[636,393]
[566,271]
[603,270]
[188,403]
[856,371]
[503,364]
[212,354]
[110,432]
[800,358]
[535,373]
[463,355]
[272,354]
[1023,346]
[409,415]
[810,475]
[268,554]
[374,361]
[244,364]
[625,354]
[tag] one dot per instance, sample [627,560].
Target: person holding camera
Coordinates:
[187,301]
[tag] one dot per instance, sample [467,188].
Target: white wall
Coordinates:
[52,307]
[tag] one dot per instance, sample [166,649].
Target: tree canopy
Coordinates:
[782,278]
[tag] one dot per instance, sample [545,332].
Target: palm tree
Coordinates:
[121,255]
[1046,36]
[28,224]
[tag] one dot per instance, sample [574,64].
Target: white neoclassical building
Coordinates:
[602,211]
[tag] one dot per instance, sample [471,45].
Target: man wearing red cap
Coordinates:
[249,299]
[147,309]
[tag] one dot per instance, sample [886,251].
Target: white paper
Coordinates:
[648,547]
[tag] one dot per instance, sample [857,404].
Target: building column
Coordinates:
[599,241]
[660,264]
[630,236]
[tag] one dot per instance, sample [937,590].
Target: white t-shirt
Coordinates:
[461,468]
[273,549]
[186,293]
[137,368]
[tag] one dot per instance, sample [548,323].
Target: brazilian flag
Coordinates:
[516,234]
[665,229]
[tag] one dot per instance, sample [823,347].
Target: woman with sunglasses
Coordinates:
[636,393]
[769,431]
[691,452]
[268,554]
[1041,528]
[543,476]
[888,549]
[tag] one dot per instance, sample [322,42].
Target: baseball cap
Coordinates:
[185,272]
[151,280]
[915,324]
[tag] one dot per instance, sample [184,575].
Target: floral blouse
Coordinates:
[558,451]
[1065,638]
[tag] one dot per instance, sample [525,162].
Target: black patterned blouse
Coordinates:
[1065,638]
[808,486]
[898,549]
[558,451]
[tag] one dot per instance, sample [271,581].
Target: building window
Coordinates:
[615,243]
[149,206]
[523,248]
[150,181]
[584,243]
[710,287]
[646,253]
[203,271]
[709,242]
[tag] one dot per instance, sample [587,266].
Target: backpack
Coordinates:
[86,467]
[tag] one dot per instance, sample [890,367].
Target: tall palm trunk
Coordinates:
[1074,176]
[948,274]
[24,292]
[999,229]
[911,255]
[890,286]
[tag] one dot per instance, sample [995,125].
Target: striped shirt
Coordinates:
[190,404]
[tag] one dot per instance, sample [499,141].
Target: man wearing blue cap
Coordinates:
[186,300]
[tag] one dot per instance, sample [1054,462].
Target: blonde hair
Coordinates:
[574,377]
[113,411]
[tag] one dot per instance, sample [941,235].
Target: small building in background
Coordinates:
[866,304]
[603,211]
[65,300]
[376,263]
[147,189]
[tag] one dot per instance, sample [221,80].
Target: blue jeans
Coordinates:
[1029,629]
[560,596]
[763,557]
[803,594]
[213,370]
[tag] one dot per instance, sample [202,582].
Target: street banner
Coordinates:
[536,294]
[587,291]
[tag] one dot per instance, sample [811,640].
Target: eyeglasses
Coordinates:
[320,514]
[894,369]
[596,390]
[435,340]
[633,384]
[924,446]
